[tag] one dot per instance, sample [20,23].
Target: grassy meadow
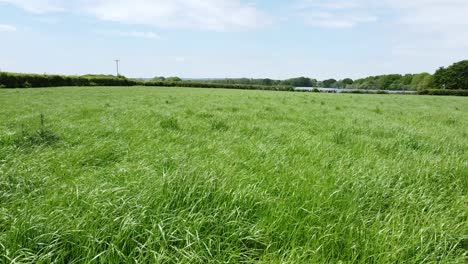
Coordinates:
[179,175]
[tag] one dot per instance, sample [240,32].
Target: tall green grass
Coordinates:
[122,175]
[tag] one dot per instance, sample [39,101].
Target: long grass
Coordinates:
[168,175]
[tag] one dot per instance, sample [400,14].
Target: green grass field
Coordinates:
[168,175]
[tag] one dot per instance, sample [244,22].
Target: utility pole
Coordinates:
[117,64]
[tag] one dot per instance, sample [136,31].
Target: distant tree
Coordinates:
[299,82]
[452,77]
[344,83]
[267,82]
[407,79]
[347,81]
[385,82]
[330,83]
[158,79]
[173,79]
[314,82]
[100,75]
[422,81]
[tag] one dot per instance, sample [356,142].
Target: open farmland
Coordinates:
[179,175]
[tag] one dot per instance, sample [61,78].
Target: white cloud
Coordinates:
[331,20]
[216,15]
[38,6]
[442,21]
[429,33]
[335,13]
[427,16]
[417,27]
[7,28]
[414,22]
[139,34]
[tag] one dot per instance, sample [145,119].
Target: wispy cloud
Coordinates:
[441,21]
[416,28]
[331,20]
[217,15]
[335,13]
[139,34]
[7,28]
[39,6]
[214,15]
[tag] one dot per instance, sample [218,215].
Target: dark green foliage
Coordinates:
[246,81]
[453,77]
[17,80]
[330,83]
[393,82]
[444,92]
[170,123]
[300,82]
[347,81]
[174,79]
[219,125]
[43,136]
[296,82]
[158,79]
[420,81]
[217,85]
[377,110]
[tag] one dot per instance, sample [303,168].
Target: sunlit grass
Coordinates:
[116,175]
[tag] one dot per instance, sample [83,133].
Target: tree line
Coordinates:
[421,81]
[453,77]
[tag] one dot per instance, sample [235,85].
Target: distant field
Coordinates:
[125,175]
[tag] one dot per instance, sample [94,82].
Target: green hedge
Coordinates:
[218,85]
[444,92]
[17,80]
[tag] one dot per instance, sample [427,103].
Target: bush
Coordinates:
[444,92]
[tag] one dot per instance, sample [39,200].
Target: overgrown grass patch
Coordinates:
[170,122]
[168,175]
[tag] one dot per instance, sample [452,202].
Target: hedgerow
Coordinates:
[18,80]
[444,92]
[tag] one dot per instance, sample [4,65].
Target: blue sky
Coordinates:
[232,38]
